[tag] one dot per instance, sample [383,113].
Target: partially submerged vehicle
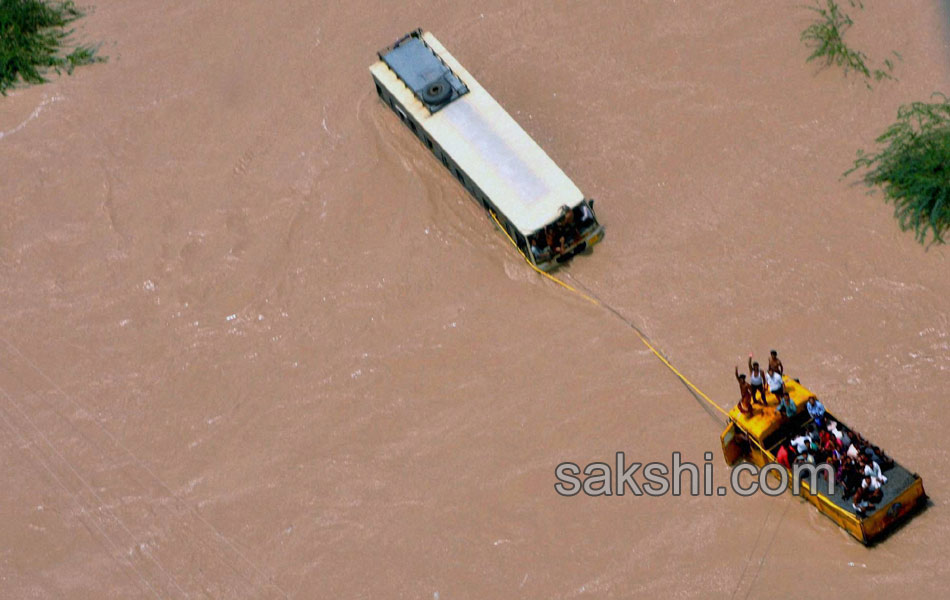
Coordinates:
[756,438]
[500,165]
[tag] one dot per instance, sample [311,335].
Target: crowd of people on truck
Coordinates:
[556,238]
[858,465]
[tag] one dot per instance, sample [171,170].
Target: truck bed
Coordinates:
[899,479]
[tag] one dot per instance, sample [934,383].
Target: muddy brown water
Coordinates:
[257,343]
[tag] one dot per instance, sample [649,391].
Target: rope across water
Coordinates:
[590,297]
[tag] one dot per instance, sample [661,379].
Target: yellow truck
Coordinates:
[757,437]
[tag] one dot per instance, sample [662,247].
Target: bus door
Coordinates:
[734,444]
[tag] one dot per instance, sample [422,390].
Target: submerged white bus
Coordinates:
[490,154]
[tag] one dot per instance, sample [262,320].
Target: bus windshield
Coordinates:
[563,234]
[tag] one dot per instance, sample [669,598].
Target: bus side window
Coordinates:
[445,161]
[379,90]
[522,244]
[428,142]
[399,113]
[459,175]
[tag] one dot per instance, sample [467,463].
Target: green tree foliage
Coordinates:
[913,168]
[826,38]
[32,36]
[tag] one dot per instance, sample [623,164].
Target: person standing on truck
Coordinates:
[816,409]
[775,363]
[850,475]
[873,470]
[800,443]
[774,379]
[745,402]
[756,380]
[786,406]
[872,487]
[840,434]
[784,456]
[862,498]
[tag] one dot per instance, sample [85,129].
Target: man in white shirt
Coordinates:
[800,443]
[774,379]
[873,470]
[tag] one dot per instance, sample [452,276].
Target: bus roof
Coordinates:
[482,138]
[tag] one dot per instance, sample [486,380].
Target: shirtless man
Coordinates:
[775,363]
[745,403]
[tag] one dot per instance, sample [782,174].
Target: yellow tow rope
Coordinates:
[689,384]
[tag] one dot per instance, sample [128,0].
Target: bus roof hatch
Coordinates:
[423,72]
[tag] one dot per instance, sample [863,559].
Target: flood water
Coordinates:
[256,342]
